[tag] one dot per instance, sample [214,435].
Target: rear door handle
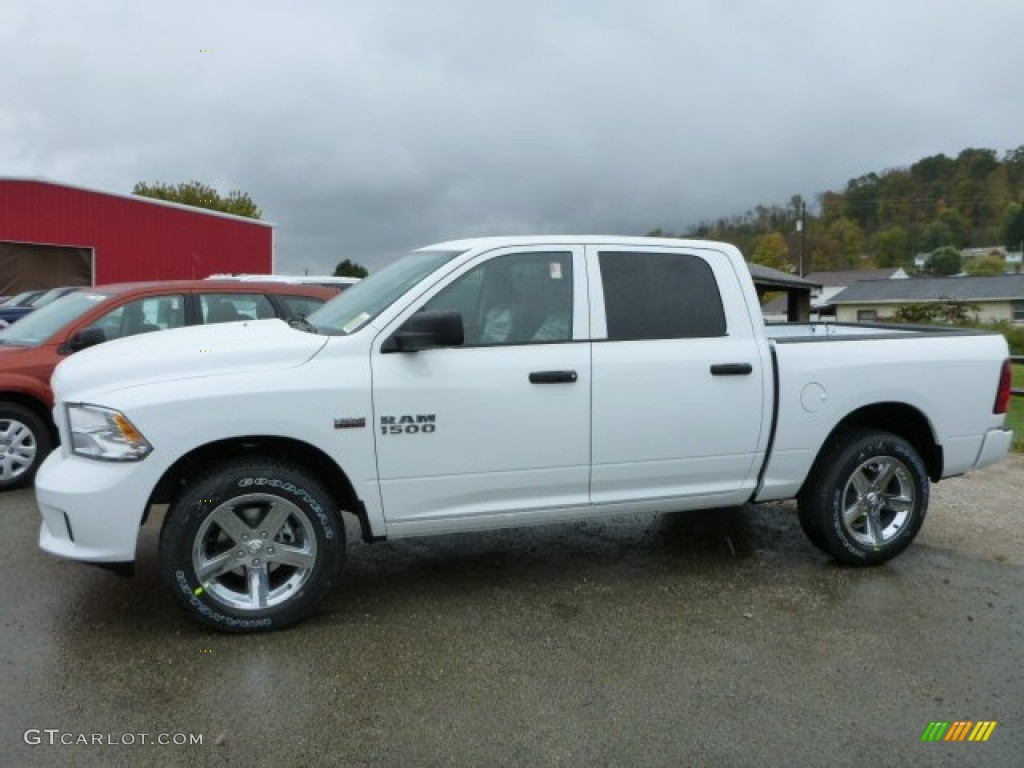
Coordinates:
[732,369]
[553,377]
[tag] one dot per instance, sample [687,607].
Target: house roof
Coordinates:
[850,276]
[996,288]
[775,278]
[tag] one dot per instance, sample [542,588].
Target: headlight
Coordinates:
[105,434]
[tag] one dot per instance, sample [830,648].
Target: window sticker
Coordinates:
[356,322]
[556,270]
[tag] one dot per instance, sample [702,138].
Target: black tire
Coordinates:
[269,538]
[866,498]
[25,440]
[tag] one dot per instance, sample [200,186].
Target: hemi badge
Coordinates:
[359,423]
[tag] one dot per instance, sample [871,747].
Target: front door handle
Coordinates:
[553,377]
[732,369]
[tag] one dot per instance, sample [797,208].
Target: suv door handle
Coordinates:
[732,369]
[553,377]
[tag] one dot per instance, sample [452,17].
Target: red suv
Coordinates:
[31,348]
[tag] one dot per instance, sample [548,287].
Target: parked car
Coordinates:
[31,348]
[505,382]
[11,314]
[328,281]
[22,299]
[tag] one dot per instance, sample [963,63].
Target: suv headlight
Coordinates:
[105,434]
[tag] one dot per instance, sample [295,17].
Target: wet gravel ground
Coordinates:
[717,638]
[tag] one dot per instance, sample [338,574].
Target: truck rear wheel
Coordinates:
[252,546]
[866,498]
[24,442]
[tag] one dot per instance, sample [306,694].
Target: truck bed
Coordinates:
[822,331]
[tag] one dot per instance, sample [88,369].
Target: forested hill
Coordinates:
[883,219]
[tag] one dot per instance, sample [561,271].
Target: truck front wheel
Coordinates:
[866,498]
[252,546]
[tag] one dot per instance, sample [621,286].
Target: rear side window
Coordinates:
[660,296]
[232,307]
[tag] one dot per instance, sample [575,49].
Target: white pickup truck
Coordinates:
[504,382]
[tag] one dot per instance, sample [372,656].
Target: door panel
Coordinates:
[463,434]
[464,431]
[665,426]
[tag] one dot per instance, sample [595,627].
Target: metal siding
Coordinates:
[133,239]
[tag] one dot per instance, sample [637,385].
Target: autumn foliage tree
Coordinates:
[886,217]
[771,251]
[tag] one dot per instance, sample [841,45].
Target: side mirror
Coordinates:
[88,337]
[427,330]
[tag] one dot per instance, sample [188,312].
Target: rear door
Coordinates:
[678,381]
[501,424]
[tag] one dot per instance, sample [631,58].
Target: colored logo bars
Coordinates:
[959,730]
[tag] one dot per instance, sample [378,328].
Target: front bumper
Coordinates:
[92,510]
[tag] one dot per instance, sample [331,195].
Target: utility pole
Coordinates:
[801,227]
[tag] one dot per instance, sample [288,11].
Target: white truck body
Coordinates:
[464,437]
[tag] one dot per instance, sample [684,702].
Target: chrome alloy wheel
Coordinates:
[877,501]
[254,551]
[18,449]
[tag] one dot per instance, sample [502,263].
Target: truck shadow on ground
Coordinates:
[706,545]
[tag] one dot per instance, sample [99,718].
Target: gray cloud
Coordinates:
[366,129]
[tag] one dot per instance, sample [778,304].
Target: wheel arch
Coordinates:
[297,452]
[34,404]
[900,419]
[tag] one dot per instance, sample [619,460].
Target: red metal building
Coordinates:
[59,234]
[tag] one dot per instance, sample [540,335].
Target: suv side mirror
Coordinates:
[427,330]
[88,337]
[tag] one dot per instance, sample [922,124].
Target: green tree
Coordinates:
[849,237]
[936,234]
[989,264]
[945,261]
[771,251]
[892,247]
[959,229]
[1013,226]
[348,268]
[200,195]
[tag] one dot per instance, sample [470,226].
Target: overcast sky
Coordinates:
[365,129]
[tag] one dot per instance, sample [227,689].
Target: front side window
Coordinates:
[523,298]
[660,296]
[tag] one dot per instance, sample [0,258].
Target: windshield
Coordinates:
[35,328]
[358,305]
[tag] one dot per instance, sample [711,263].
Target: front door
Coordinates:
[501,424]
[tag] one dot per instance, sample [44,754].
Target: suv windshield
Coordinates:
[358,305]
[35,328]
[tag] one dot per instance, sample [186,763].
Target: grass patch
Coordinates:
[1015,417]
